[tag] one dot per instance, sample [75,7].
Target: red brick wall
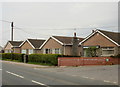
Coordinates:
[82,61]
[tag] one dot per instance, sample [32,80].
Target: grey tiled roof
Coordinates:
[36,42]
[66,40]
[15,43]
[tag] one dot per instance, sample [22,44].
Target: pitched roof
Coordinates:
[15,43]
[63,40]
[115,36]
[66,40]
[36,43]
[112,36]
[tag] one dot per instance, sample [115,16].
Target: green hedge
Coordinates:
[44,58]
[12,56]
[50,59]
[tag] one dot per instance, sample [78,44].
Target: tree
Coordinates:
[91,52]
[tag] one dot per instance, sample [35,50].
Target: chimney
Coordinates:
[74,34]
[93,31]
[75,45]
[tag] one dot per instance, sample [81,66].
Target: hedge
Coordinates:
[50,59]
[12,56]
[44,58]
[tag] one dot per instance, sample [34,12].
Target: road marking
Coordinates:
[74,75]
[39,83]
[115,82]
[91,78]
[0,69]
[106,81]
[85,77]
[36,68]
[110,82]
[14,74]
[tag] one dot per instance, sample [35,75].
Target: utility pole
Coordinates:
[12,39]
[12,31]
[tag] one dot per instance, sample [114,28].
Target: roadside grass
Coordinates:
[37,63]
[11,60]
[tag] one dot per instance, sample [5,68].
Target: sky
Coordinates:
[0,24]
[40,20]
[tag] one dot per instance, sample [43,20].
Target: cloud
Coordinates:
[34,17]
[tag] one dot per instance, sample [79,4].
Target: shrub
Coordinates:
[117,56]
[12,56]
[6,56]
[44,58]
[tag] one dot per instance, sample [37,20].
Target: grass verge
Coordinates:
[37,63]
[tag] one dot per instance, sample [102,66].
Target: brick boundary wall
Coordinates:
[83,61]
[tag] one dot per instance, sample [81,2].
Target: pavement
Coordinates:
[28,74]
[25,64]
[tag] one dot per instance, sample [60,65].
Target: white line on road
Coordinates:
[115,82]
[39,83]
[106,81]
[74,75]
[110,82]
[36,68]
[91,78]
[0,69]
[14,74]
[85,77]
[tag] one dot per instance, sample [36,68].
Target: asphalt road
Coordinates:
[18,75]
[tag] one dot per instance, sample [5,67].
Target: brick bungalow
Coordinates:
[31,46]
[12,46]
[61,45]
[103,43]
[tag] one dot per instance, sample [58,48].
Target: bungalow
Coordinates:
[31,46]
[12,46]
[61,45]
[101,43]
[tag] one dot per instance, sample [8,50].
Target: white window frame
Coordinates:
[49,51]
[108,49]
[59,51]
[25,51]
[53,51]
[31,51]
[56,50]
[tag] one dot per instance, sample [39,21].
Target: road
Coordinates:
[16,75]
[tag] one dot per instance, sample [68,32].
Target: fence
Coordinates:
[83,61]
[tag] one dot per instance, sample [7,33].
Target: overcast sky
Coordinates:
[44,19]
